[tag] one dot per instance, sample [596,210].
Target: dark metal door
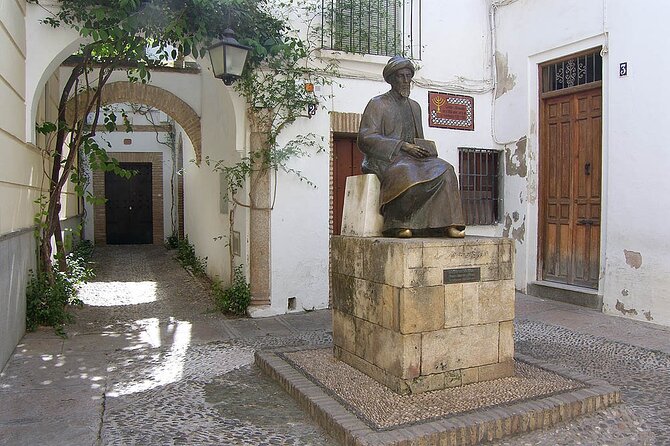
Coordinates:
[347,162]
[129,216]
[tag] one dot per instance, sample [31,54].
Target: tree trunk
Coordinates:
[62,168]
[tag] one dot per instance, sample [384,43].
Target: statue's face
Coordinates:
[401,81]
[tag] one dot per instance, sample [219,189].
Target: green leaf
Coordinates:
[46,127]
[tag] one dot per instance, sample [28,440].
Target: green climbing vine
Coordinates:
[275,86]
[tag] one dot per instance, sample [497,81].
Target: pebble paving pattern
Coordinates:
[643,377]
[210,393]
[382,408]
[219,398]
[164,389]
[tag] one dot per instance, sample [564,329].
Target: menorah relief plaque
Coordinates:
[451,111]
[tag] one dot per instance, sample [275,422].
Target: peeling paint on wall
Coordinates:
[620,306]
[515,163]
[517,233]
[633,258]
[647,314]
[505,81]
[508,225]
[624,292]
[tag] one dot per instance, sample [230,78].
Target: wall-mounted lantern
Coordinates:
[228,57]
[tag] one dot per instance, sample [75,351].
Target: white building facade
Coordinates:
[617,164]
[555,129]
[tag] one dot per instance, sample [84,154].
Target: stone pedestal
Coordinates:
[424,314]
[360,214]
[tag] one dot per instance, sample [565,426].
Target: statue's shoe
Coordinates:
[453,232]
[404,233]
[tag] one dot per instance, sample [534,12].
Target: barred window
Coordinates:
[479,178]
[579,70]
[380,27]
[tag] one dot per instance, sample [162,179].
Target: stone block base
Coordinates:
[424,314]
[360,214]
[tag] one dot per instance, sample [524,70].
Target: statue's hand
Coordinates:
[414,150]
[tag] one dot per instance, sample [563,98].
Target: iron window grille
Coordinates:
[479,178]
[378,27]
[579,70]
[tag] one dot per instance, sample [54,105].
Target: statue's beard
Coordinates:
[404,91]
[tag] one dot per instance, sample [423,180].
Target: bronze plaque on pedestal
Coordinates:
[461,275]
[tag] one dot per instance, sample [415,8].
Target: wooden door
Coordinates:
[128,210]
[570,174]
[347,161]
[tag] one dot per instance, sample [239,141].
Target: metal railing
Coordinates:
[379,27]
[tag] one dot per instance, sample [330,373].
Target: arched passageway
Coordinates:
[176,108]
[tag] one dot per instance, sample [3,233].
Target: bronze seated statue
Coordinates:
[419,191]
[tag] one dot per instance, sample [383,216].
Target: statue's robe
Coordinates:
[420,194]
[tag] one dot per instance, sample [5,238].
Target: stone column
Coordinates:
[259,219]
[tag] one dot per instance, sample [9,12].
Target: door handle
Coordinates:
[585,221]
[587,169]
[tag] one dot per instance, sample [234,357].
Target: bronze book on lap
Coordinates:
[426,144]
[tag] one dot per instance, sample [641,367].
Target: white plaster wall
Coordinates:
[636,284]
[523,41]
[204,223]
[456,44]
[299,249]
[634,244]
[46,49]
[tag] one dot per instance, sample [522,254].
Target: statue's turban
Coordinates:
[394,64]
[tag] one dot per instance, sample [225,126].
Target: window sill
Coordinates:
[352,57]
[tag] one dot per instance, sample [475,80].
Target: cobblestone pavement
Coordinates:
[149,362]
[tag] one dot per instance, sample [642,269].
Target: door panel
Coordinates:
[571,182]
[558,190]
[128,210]
[347,161]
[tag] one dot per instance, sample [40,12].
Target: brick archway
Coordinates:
[180,111]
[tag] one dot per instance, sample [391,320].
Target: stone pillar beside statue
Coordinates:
[420,314]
